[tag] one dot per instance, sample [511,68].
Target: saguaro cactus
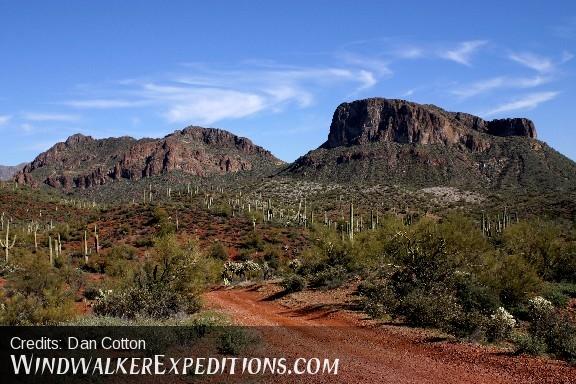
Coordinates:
[50,250]
[85,247]
[96,239]
[351,221]
[6,243]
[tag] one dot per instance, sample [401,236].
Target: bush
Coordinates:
[330,278]
[555,329]
[293,283]
[142,242]
[91,293]
[168,284]
[152,302]
[429,309]
[500,325]
[517,280]
[218,252]
[38,294]
[232,341]
[530,345]
[377,299]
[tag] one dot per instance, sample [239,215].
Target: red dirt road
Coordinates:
[371,353]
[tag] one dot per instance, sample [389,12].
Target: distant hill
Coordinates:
[382,141]
[8,171]
[83,162]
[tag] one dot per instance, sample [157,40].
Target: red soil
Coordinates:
[372,353]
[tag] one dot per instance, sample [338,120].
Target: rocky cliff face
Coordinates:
[403,122]
[380,141]
[83,162]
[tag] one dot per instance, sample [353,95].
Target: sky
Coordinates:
[275,71]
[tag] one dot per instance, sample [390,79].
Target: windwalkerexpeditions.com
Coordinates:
[163,365]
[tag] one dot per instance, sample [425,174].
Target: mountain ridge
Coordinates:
[370,141]
[83,162]
[391,141]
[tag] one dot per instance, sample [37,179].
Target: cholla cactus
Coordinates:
[295,265]
[539,304]
[500,325]
[504,317]
[234,269]
[230,270]
[103,294]
[250,266]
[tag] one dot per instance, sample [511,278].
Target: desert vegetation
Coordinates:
[480,270]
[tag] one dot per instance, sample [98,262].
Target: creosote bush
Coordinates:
[168,283]
[37,293]
[293,283]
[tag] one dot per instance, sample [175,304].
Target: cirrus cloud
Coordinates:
[525,102]
[207,95]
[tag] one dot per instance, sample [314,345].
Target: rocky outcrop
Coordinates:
[404,122]
[84,162]
[397,142]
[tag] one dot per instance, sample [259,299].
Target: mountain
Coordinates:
[385,141]
[83,162]
[8,171]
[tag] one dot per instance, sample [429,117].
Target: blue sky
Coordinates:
[275,71]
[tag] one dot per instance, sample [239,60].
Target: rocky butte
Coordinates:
[382,120]
[389,141]
[83,162]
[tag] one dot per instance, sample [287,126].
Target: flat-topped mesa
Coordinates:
[401,121]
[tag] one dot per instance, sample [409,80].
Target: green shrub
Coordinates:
[525,343]
[330,278]
[516,280]
[169,283]
[422,308]
[293,283]
[377,299]
[142,242]
[232,341]
[555,328]
[218,252]
[133,302]
[38,294]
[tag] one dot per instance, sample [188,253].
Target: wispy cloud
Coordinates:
[206,95]
[46,117]
[4,119]
[377,65]
[463,52]
[529,101]
[538,63]
[104,103]
[27,128]
[205,105]
[488,85]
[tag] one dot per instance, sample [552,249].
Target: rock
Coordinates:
[84,162]
[396,142]
[404,122]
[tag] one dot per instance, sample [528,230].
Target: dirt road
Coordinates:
[371,353]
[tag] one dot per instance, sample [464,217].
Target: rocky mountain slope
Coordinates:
[8,171]
[399,142]
[83,162]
